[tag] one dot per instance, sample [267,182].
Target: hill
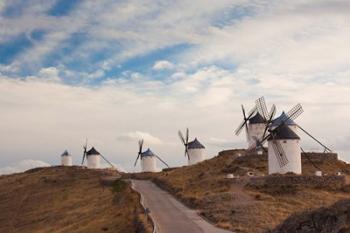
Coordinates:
[245,205]
[68,199]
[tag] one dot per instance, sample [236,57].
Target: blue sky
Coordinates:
[114,71]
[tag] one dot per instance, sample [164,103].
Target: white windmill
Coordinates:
[148,159]
[194,150]
[93,158]
[255,122]
[66,159]
[284,151]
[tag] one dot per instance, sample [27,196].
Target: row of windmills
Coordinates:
[92,158]
[194,151]
[281,134]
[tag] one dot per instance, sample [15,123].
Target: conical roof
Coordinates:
[148,152]
[283,118]
[257,119]
[195,144]
[92,151]
[283,133]
[65,153]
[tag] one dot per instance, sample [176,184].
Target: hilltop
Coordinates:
[68,199]
[246,204]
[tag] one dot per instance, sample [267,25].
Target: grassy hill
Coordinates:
[68,199]
[238,206]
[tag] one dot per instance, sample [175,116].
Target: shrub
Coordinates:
[119,186]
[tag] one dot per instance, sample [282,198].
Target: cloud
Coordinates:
[163,65]
[137,135]
[23,166]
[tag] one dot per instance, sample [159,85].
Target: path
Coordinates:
[170,215]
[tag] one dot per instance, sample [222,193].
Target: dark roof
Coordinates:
[195,144]
[92,151]
[283,133]
[257,119]
[148,152]
[65,153]
[280,119]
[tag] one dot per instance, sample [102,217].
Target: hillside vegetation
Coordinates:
[233,203]
[68,199]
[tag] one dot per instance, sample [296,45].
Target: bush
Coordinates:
[119,186]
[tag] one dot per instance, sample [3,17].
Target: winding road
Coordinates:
[170,215]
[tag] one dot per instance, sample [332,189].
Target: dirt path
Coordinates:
[169,214]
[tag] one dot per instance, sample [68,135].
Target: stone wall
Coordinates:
[313,156]
[303,181]
[320,157]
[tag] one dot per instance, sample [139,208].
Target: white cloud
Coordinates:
[163,65]
[137,135]
[23,166]
[50,74]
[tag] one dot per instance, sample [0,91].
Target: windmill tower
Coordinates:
[148,159]
[255,122]
[93,158]
[194,150]
[284,153]
[66,159]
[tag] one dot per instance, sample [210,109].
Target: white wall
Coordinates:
[66,160]
[93,161]
[255,131]
[293,153]
[148,164]
[195,156]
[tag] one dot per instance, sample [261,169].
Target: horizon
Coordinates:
[113,72]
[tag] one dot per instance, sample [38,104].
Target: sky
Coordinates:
[114,71]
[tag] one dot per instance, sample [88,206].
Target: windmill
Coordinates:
[66,159]
[284,152]
[148,159]
[194,150]
[93,157]
[255,122]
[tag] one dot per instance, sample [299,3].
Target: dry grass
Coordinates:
[66,199]
[230,204]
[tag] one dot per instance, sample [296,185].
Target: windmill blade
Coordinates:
[137,158]
[161,160]
[269,120]
[107,161]
[272,113]
[140,146]
[84,152]
[261,106]
[181,137]
[245,120]
[186,153]
[294,112]
[280,154]
[326,149]
[187,135]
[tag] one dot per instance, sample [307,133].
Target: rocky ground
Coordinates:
[68,199]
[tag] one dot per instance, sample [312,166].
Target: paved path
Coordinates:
[170,215]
